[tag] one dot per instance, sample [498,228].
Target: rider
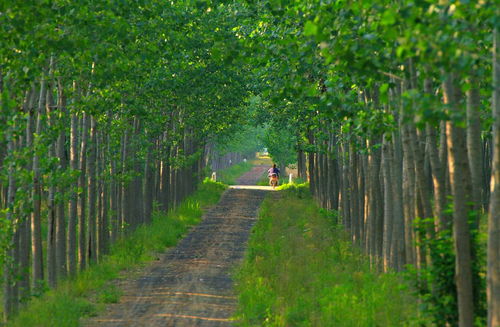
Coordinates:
[272,171]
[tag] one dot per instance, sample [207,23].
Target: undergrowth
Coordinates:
[87,294]
[300,270]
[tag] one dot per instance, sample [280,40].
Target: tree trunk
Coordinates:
[51,204]
[388,205]
[61,267]
[301,162]
[36,231]
[409,198]
[10,299]
[82,242]
[353,179]
[398,229]
[345,194]
[73,201]
[24,229]
[493,279]
[474,148]
[438,178]
[459,172]
[92,195]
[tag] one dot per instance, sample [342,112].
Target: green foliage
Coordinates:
[300,270]
[84,296]
[281,145]
[436,283]
[246,140]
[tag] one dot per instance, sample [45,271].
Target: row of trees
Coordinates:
[394,108]
[106,109]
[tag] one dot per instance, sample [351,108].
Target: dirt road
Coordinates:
[191,285]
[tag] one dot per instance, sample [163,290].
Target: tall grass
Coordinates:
[300,270]
[87,294]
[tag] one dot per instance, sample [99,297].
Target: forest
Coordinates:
[110,110]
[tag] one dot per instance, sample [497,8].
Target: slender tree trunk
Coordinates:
[398,229]
[148,187]
[61,267]
[388,205]
[361,197]
[474,148]
[493,274]
[409,199]
[73,201]
[346,198]
[353,178]
[301,162]
[36,230]
[92,194]
[10,299]
[438,178]
[312,167]
[104,230]
[24,228]
[51,204]
[82,239]
[459,171]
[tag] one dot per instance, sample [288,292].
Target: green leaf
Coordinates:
[389,17]
[384,87]
[310,28]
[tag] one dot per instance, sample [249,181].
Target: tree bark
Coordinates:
[92,195]
[61,252]
[353,178]
[388,205]
[493,274]
[474,146]
[51,204]
[36,231]
[459,172]
[438,178]
[73,201]
[10,299]
[82,218]
[398,229]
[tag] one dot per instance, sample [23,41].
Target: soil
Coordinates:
[190,285]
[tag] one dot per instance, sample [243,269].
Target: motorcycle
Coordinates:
[273,180]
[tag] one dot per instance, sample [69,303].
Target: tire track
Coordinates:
[191,284]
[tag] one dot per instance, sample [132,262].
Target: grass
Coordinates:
[230,174]
[300,270]
[87,294]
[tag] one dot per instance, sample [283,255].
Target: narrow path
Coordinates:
[191,285]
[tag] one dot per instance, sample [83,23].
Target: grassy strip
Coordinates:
[300,270]
[230,174]
[88,293]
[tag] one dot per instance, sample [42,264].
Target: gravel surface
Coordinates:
[190,285]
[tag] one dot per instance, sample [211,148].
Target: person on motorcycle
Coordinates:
[273,173]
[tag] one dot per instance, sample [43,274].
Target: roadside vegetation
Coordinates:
[301,270]
[86,294]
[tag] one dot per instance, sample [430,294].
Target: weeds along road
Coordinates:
[191,284]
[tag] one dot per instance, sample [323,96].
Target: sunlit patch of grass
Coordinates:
[87,294]
[301,270]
